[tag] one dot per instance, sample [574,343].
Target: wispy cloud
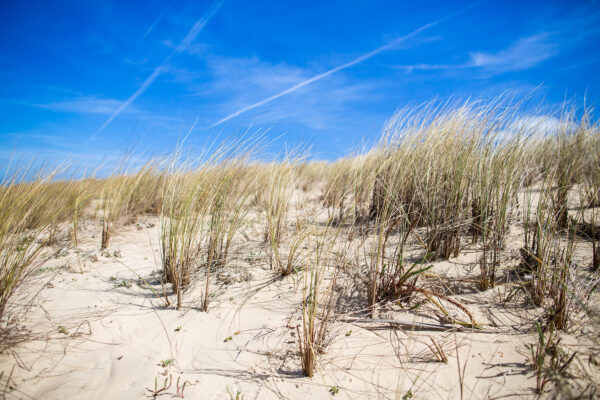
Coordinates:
[332,71]
[84,105]
[187,40]
[431,67]
[221,88]
[581,64]
[529,51]
[524,53]
[258,76]
[93,105]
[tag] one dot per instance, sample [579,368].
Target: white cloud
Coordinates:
[523,54]
[535,126]
[251,75]
[541,125]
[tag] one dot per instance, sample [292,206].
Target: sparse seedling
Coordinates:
[237,396]
[181,388]
[158,391]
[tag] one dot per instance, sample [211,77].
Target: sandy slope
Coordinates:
[107,335]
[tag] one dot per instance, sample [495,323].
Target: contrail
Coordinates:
[131,98]
[357,60]
[187,40]
[156,21]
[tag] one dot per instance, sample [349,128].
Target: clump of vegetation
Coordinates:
[187,195]
[228,210]
[204,206]
[26,226]
[319,294]
[348,189]
[125,195]
[549,360]
[274,201]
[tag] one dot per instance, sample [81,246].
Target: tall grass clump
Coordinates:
[421,181]
[550,230]
[204,205]
[125,195]
[338,188]
[592,202]
[233,185]
[319,294]
[146,192]
[589,195]
[436,148]
[443,172]
[187,194]
[25,228]
[496,184]
[79,198]
[311,175]
[570,138]
[386,271]
[540,235]
[348,188]
[274,200]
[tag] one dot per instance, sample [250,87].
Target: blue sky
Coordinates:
[85,80]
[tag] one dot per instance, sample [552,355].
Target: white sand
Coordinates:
[118,336]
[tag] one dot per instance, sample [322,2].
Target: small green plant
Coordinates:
[62,329]
[166,363]
[550,362]
[181,388]
[334,390]
[157,391]
[237,396]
